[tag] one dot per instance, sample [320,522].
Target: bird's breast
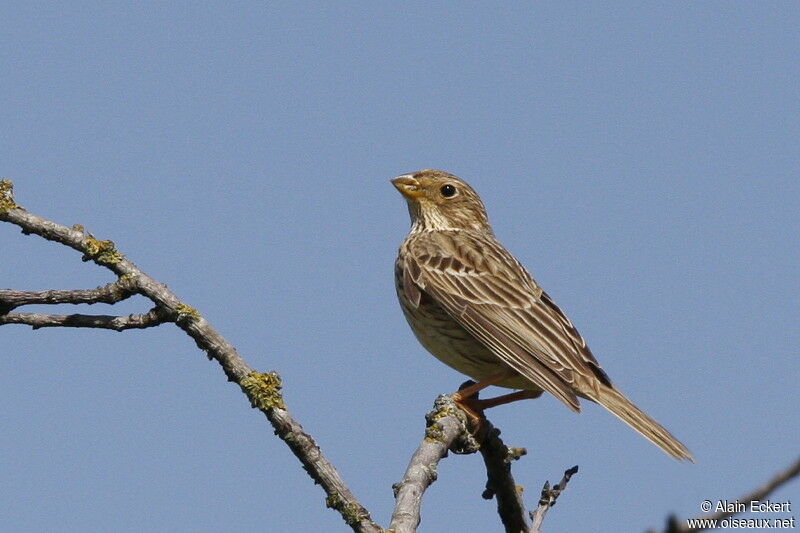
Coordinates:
[442,336]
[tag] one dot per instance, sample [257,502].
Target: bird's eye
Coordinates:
[448,190]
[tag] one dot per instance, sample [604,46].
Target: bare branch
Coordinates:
[339,497]
[782,477]
[151,319]
[108,294]
[447,430]
[446,425]
[500,483]
[263,390]
[548,499]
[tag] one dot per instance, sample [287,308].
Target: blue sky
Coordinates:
[641,159]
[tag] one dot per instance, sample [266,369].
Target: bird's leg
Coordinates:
[470,388]
[508,398]
[467,397]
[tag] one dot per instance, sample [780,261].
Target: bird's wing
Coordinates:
[487,291]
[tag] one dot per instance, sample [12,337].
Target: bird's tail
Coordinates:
[622,408]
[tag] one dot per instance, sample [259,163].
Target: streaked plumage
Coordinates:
[475,307]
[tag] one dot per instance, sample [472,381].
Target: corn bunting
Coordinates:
[475,307]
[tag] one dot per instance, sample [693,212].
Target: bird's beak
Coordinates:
[408,186]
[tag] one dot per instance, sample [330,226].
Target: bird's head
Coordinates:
[440,201]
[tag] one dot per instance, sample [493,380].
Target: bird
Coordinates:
[473,305]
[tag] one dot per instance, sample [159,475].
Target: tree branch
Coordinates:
[548,499]
[263,390]
[500,483]
[154,317]
[109,294]
[446,430]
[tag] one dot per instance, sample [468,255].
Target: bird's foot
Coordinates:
[467,400]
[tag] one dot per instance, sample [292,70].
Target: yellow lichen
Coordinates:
[434,433]
[6,196]
[187,311]
[127,280]
[443,407]
[351,512]
[513,453]
[263,390]
[102,252]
